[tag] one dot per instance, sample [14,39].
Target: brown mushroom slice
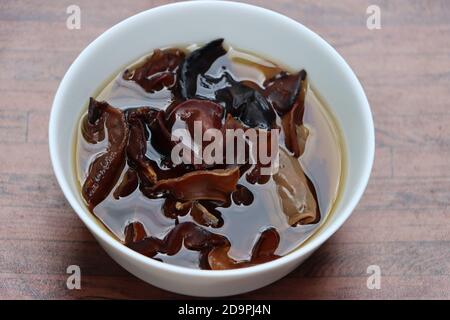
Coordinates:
[149,124]
[262,170]
[189,234]
[293,119]
[127,185]
[233,132]
[93,125]
[282,90]
[267,244]
[134,232]
[105,170]
[192,118]
[216,185]
[242,196]
[149,246]
[158,70]
[206,215]
[193,236]
[297,194]
[243,149]
[286,92]
[263,251]
[160,138]
[137,239]
[185,114]
[137,148]
[202,213]
[196,64]
[248,105]
[172,208]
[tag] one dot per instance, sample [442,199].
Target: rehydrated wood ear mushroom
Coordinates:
[127,185]
[158,71]
[246,104]
[287,94]
[297,194]
[216,185]
[137,147]
[187,234]
[263,251]
[105,170]
[196,64]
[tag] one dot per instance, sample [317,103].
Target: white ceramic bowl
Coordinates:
[251,28]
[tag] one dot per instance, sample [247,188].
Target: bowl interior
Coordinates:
[246,27]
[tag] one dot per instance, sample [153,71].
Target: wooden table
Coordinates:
[402,223]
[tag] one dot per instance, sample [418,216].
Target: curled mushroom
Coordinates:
[193,237]
[297,193]
[283,89]
[236,149]
[93,125]
[247,104]
[137,148]
[196,64]
[105,170]
[216,185]
[263,251]
[158,71]
[265,155]
[287,92]
[134,232]
[189,234]
[161,137]
[184,115]
[242,196]
[127,185]
[189,123]
[206,215]
[173,208]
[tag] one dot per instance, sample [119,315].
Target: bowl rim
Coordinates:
[303,250]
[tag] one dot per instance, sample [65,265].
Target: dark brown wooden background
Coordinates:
[402,223]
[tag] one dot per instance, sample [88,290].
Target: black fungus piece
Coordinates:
[134,232]
[257,112]
[161,138]
[242,101]
[158,71]
[215,185]
[127,185]
[296,191]
[196,64]
[184,116]
[242,196]
[187,234]
[283,89]
[287,94]
[205,214]
[172,208]
[246,104]
[263,251]
[105,170]
[137,146]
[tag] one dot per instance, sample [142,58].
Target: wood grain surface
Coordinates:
[402,223]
